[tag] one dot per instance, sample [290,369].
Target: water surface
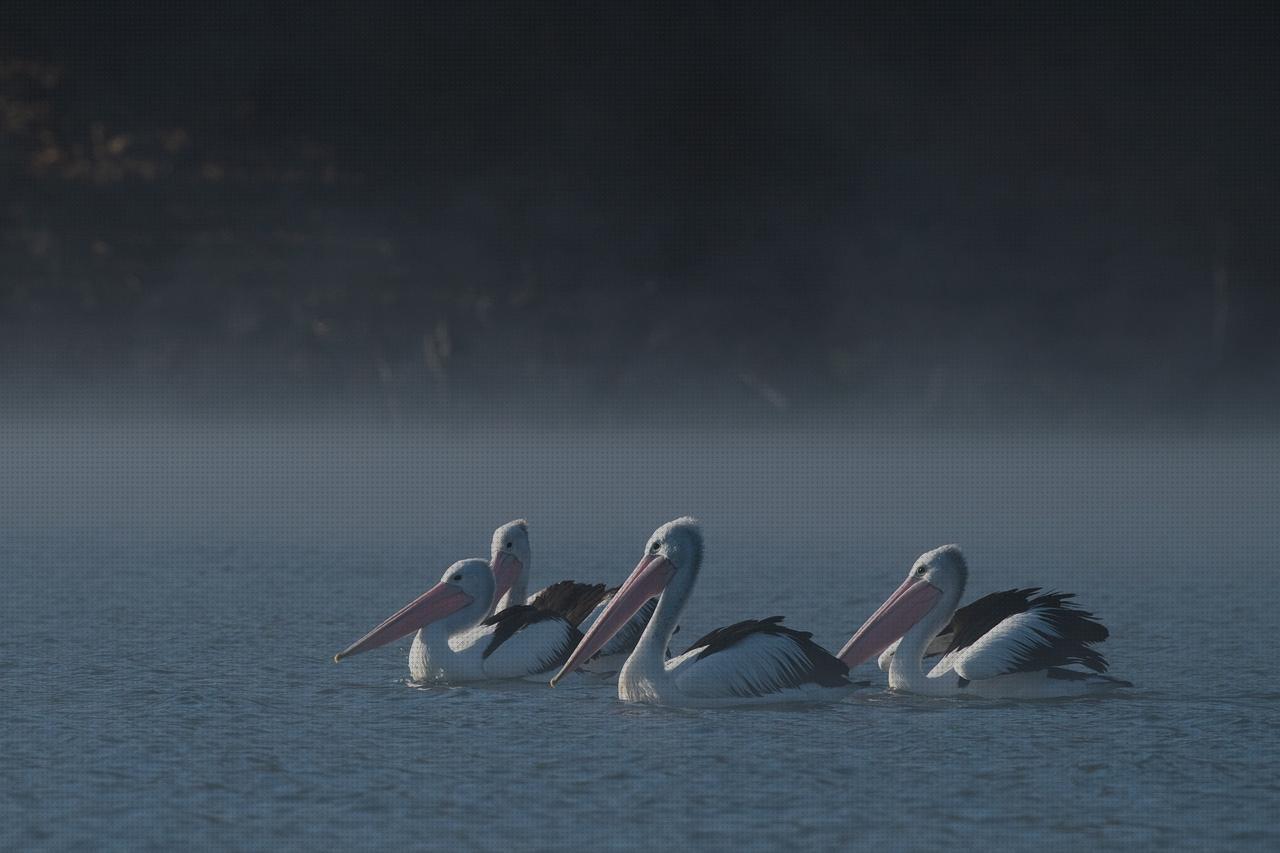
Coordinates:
[174,594]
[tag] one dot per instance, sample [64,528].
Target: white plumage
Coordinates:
[768,667]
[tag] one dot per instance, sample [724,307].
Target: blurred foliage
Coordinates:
[557,206]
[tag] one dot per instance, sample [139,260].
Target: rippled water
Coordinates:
[173,599]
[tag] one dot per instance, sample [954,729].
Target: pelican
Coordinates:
[1012,644]
[756,662]
[579,603]
[458,641]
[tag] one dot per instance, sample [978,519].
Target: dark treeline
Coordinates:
[796,201]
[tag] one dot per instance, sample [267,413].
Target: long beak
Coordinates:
[506,571]
[433,605]
[907,606]
[649,578]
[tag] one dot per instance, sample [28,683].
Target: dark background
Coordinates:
[1069,206]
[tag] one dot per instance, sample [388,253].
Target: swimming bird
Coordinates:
[1012,644]
[755,662]
[458,641]
[579,603]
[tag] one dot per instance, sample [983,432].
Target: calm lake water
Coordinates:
[174,594]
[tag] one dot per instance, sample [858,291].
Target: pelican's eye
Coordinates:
[508,545]
[920,571]
[457,577]
[656,546]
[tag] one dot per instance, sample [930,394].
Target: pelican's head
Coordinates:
[943,568]
[509,556]
[679,542]
[673,554]
[472,578]
[463,595]
[937,574]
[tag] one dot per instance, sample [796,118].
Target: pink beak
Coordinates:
[506,571]
[907,606]
[649,578]
[433,605]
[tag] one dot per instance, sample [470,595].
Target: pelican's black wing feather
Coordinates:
[1048,630]
[574,601]
[817,665]
[511,621]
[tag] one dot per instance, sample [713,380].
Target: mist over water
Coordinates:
[296,473]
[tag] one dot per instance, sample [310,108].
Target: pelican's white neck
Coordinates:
[429,650]
[430,653]
[646,667]
[906,672]
[518,593]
